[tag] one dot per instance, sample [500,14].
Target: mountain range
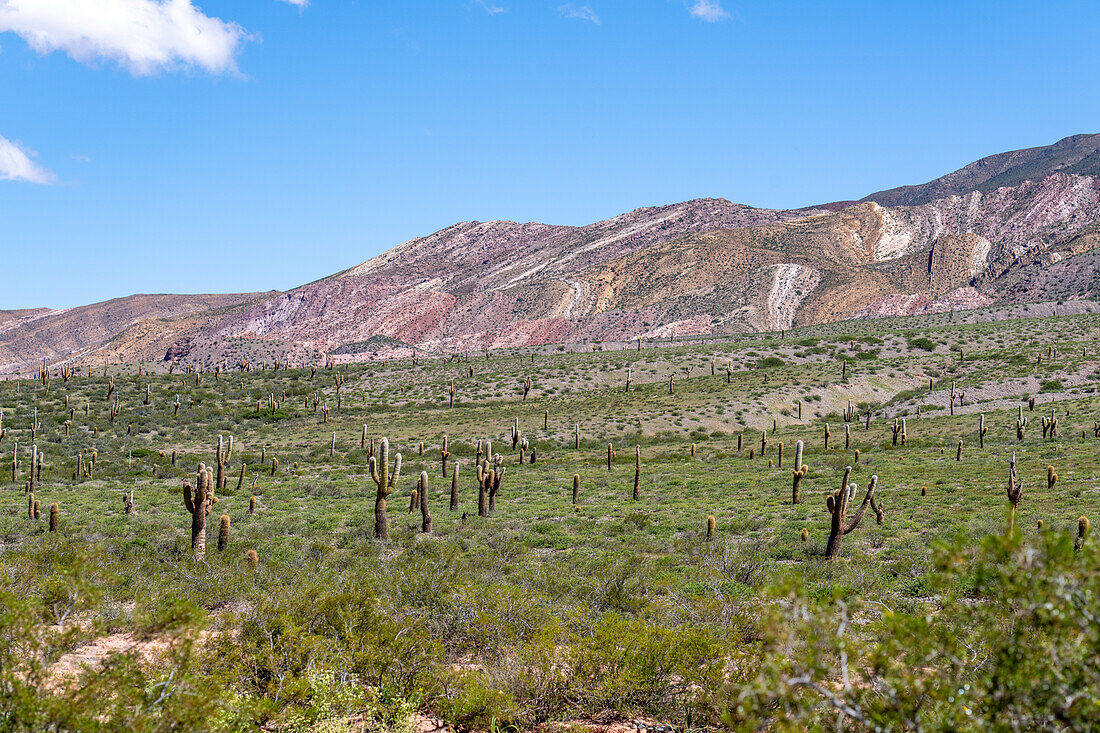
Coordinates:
[1017,227]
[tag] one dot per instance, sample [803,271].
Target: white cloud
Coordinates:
[144,36]
[16,165]
[489,7]
[299,3]
[710,11]
[583,12]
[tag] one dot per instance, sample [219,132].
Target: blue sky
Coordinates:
[217,146]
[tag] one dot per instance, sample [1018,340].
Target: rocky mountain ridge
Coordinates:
[699,267]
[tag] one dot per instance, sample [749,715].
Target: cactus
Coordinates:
[800,409]
[837,504]
[799,473]
[252,505]
[896,430]
[199,504]
[576,487]
[611,454]
[849,412]
[385,481]
[484,484]
[805,535]
[779,451]
[1015,493]
[577,436]
[55,511]
[414,501]
[274,466]
[30,505]
[1052,478]
[1082,532]
[711,524]
[526,387]
[497,476]
[454,488]
[629,379]
[740,439]
[1021,423]
[253,559]
[959,451]
[223,533]
[1050,425]
[857,455]
[637,473]
[982,429]
[763,443]
[128,501]
[425,513]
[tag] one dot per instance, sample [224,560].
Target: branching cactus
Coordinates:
[198,501]
[1021,424]
[386,481]
[800,471]
[1050,425]
[497,476]
[484,485]
[1015,493]
[837,504]
[1052,477]
[515,434]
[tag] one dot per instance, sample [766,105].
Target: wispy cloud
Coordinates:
[143,36]
[299,3]
[488,7]
[16,165]
[582,12]
[710,11]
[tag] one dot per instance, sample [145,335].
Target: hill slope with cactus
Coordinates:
[706,266]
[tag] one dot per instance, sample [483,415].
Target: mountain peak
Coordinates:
[1076,154]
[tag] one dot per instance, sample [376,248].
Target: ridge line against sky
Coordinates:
[288,139]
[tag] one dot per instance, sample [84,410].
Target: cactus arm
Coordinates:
[396,472]
[867,499]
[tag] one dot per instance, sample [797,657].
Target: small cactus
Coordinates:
[576,487]
[805,535]
[253,559]
[223,533]
[1082,532]
[711,523]
[1052,477]
[55,511]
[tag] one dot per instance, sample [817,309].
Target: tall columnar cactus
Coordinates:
[526,387]
[611,454]
[779,453]
[454,488]
[1052,477]
[711,524]
[577,436]
[837,504]
[198,501]
[385,481]
[576,487]
[959,451]
[800,471]
[425,512]
[763,442]
[1021,424]
[629,379]
[637,494]
[982,429]
[497,476]
[515,434]
[55,512]
[895,429]
[827,434]
[1015,492]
